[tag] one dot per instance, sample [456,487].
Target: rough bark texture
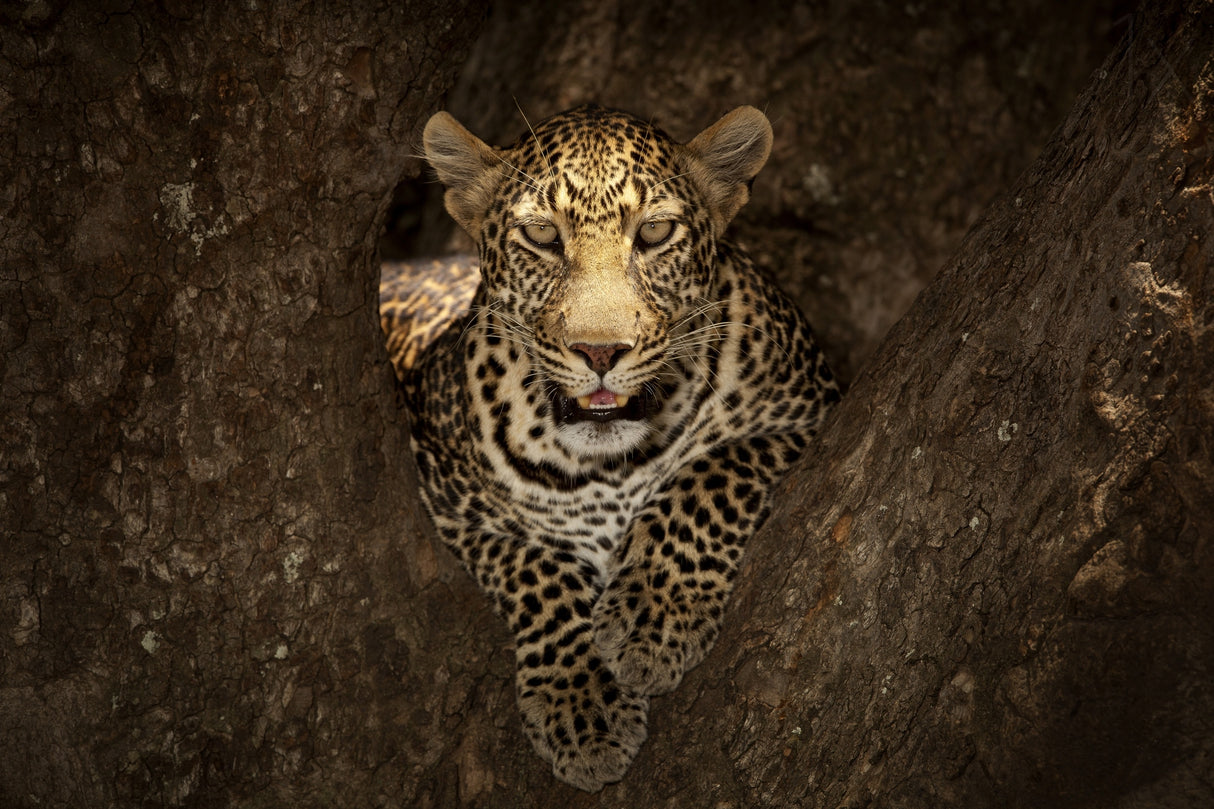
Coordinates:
[990,585]
[201,484]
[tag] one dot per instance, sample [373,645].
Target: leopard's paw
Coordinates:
[587,726]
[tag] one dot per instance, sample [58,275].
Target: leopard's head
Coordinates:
[597,235]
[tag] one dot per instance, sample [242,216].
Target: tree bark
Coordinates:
[989,585]
[203,475]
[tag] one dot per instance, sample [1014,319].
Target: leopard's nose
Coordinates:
[600,358]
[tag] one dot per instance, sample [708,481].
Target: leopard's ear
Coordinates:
[465,164]
[728,155]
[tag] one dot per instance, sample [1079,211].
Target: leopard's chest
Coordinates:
[589,515]
[479,483]
[590,521]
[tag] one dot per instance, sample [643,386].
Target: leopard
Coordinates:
[601,431]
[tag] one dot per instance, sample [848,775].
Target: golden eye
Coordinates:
[654,233]
[541,233]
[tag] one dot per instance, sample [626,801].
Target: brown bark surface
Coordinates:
[989,585]
[204,589]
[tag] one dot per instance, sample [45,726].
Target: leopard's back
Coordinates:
[419,300]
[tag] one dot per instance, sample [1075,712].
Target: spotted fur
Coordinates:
[419,300]
[601,434]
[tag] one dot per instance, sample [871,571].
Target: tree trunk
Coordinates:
[989,585]
[203,481]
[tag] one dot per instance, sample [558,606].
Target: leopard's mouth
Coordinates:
[601,406]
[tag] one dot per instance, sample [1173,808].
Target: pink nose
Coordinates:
[600,358]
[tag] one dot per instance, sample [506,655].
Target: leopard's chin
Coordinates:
[602,440]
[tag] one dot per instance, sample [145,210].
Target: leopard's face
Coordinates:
[597,237]
[597,259]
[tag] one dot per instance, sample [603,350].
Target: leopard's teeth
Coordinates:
[583,402]
[621,399]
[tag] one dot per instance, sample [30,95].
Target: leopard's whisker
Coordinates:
[661,183]
[534,137]
[531,183]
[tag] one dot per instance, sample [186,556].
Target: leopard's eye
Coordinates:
[654,233]
[543,234]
